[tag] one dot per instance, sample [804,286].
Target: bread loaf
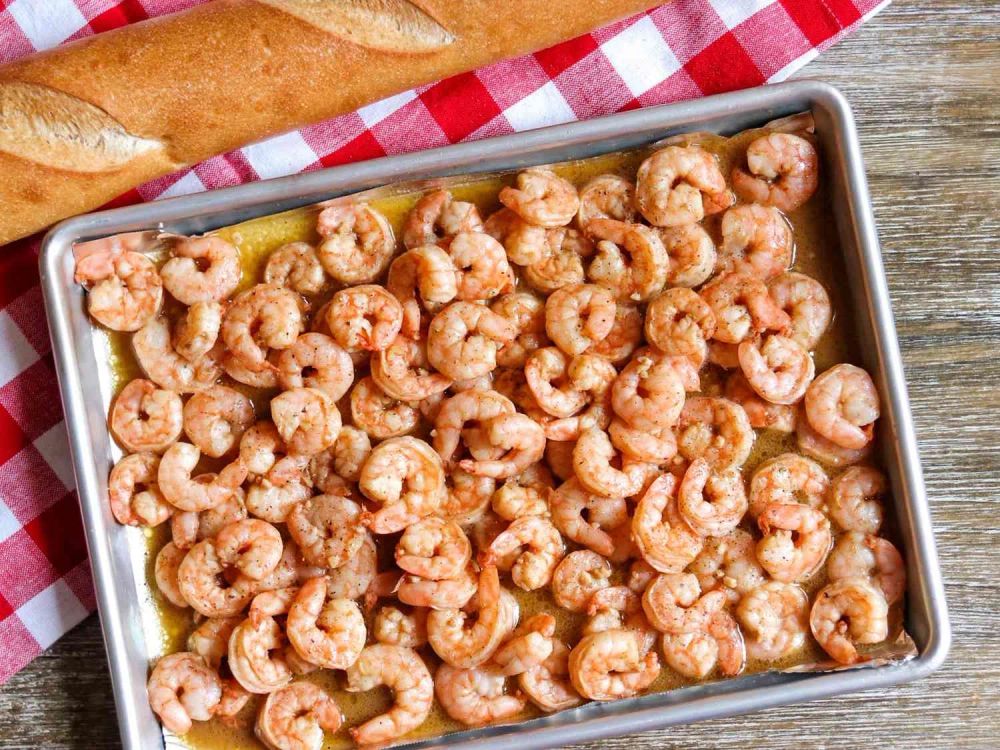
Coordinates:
[87,121]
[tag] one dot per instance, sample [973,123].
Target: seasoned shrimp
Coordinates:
[742,307]
[165,366]
[562,262]
[763,415]
[756,240]
[593,376]
[585,517]
[807,305]
[630,259]
[674,603]
[423,277]
[467,496]
[663,538]
[691,253]
[272,502]
[606,196]
[261,318]
[349,454]
[328,632]
[842,406]
[364,318]
[462,412]
[146,418]
[529,645]
[402,371]
[202,269]
[712,502]
[462,641]
[200,581]
[296,266]
[185,493]
[125,289]
[542,198]
[316,361]
[450,593]
[546,372]
[182,689]
[307,420]
[814,445]
[578,577]
[405,476]
[672,184]
[625,336]
[357,243]
[773,616]
[165,572]
[796,541]
[782,171]
[476,696]
[547,685]
[433,548]
[696,654]
[778,368]
[521,441]
[715,429]
[265,454]
[216,419]
[263,375]
[680,322]
[729,563]
[788,478]
[257,656]
[437,217]
[526,312]
[847,612]
[579,316]
[379,414]
[609,665]
[354,578]
[538,548]
[210,640]
[600,470]
[188,527]
[133,493]
[481,266]
[525,243]
[855,501]
[464,338]
[251,546]
[857,555]
[405,674]
[395,627]
[524,495]
[649,392]
[327,529]
[197,331]
[294,717]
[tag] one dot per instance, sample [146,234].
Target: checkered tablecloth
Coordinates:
[686,49]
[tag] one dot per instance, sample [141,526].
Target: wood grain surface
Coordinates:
[923,79]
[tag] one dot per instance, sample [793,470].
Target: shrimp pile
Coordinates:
[369,456]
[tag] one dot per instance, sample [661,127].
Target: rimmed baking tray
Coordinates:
[84,380]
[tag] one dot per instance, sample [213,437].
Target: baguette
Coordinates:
[85,122]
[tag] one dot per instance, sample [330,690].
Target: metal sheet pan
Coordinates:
[84,378]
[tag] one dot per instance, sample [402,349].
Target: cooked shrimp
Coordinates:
[200,581]
[272,502]
[650,446]
[756,240]
[782,171]
[165,572]
[316,361]
[354,578]
[262,376]
[521,440]
[182,689]
[672,183]
[264,316]
[437,217]
[216,419]
[526,312]
[476,696]
[542,198]
[578,577]
[450,593]
[562,262]
[857,555]
[202,269]
[380,415]
[327,529]
[405,476]
[663,538]
[723,355]
[649,392]
[423,277]
[674,603]
[257,658]
[462,412]
[691,253]
[742,307]
[812,444]
[774,618]
[433,548]
[788,478]
[546,372]
[524,495]
[251,546]
[357,243]
[181,491]
[763,415]
[842,405]
[538,548]
[294,717]
[778,368]
[210,640]
[696,654]
[349,454]
[395,627]
[529,645]
[548,685]
[586,518]
[405,674]
[464,338]
[525,243]
[402,371]
[600,470]
[680,322]
[307,420]
[609,665]
[125,289]
[467,496]
[593,376]
[328,632]
[133,493]
[295,265]
[855,502]
[625,336]
[481,266]
[796,541]
[579,316]
[807,305]
[364,318]
[630,261]
[715,429]
[165,366]
[712,502]
[847,612]
[265,454]
[188,527]
[606,196]
[729,563]
[197,331]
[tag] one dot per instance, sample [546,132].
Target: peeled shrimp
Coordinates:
[481,266]
[608,665]
[842,406]
[548,685]
[357,242]
[538,548]
[327,529]
[848,612]
[630,261]
[464,338]
[562,261]
[649,392]
[526,313]
[177,486]
[680,322]
[328,632]
[742,307]
[674,603]
[476,695]
[307,420]
[264,316]
[465,642]
[251,546]
[606,196]
[433,548]
[778,368]
[796,541]
[578,577]
[672,183]
[437,217]
[757,240]
[423,277]
[542,198]
[133,493]
[782,171]
[402,371]
[712,502]
[528,646]
[579,316]
[316,361]
[763,415]
[405,476]
[216,419]
[857,555]
[788,478]
[663,538]
[296,266]
[594,460]
[294,717]
[165,366]
[182,689]
[200,581]
[807,305]
[198,330]
[855,501]
[715,429]
[405,674]
[125,290]
[586,518]
[729,563]
[773,617]
[691,254]
[202,269]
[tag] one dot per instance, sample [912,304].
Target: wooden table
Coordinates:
[923,79]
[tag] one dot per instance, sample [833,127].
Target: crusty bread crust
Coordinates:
[87,121]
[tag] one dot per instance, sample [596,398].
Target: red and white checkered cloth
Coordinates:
[686,49]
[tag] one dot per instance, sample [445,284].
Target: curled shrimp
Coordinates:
[672,184]
[585,517]
[188,527]
[379,414]
[763,415]
[857,555]
[609,665]
[273,502]
[344,460]
[464,338]
[674,603]
[661,535]
[729,563]
[397,627]
[680,322]
[405,674]
[357,243]
[165,572]
[696,654]
[782,170]
[437,217]
[467,497]
[183,689]
[630,260]
[562,261]
[202,269]
[691,253]
[210,640]
[476,696]
[328,632]
[712,502]
[715,429]
[625,335]
[855,500]
[294,717]
[796,541]
[264,375]
[463,641]
[649,392]
[547,685]
[525,243]
[807,305]
[778,368]
[521,440]
[742,307]
[449,593]
[402,371]
[788,478]
[538,548]
[265,454]
[773,616]
[842,405]
[607,196]
[593,376]
[814,445]
[649,446]
[542,198]
[848,612]
[364,318]
[594,462]
[125,289]
[316,361]
[524,495]
[405,476]
[251,546]
[257,656]
[165,366]
[462,412]
[200,581]
[481,266]
[197,331]
[528,646]
[185,493]
[216,419]
[756,240]
[526,312]
[264,316]
[546,373]
[296,266]
[423,277]
[307,420]
[327,529]
[579,316]
[133,493]
[433,548]
[355,577]
[578,577]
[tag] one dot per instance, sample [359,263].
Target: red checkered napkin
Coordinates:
[686,49]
